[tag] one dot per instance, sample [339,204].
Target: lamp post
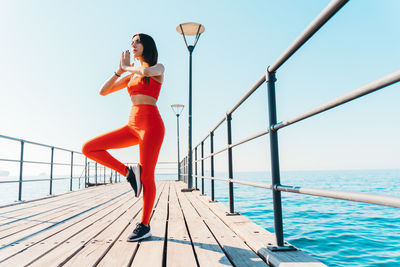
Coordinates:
[190,29]
[177,108]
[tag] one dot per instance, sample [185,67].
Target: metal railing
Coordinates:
[93,173]
[87,167]
[276,187]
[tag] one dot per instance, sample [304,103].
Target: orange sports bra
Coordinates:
[138,86]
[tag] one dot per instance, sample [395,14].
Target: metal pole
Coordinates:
[212,165]
[202,167]
[177,130]
[190,183]
[88,171]
[72,164]
[95,173]
[185,169]
[273,137]
[21,163]
[230,167]
[51,170]
[104,170]
[195,165]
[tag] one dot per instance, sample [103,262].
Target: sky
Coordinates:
[55,56]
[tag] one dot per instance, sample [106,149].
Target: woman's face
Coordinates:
[137,47]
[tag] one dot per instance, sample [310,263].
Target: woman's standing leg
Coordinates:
[95,148]
[149,149]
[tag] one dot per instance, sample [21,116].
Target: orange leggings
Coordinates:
[146,128]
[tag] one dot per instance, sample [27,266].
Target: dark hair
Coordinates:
[150,54]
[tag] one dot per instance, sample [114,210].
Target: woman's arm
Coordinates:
[111,85]
[155,70]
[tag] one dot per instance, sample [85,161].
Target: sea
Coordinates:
[336,232]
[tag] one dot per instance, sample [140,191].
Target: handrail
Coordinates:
[378,199]
[332,8]
[235,144]
[241,101]
[35,143]
[383,200]
[328,12]
[314,26]
[40,162]
[86,166]
[368,88]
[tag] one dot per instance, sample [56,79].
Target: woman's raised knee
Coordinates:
[86,148]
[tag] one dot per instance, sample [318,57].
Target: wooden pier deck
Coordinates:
[89,228]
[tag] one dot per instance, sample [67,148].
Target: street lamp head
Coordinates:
[190,29]
[177,108]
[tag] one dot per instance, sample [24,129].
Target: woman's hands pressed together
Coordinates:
[125,61]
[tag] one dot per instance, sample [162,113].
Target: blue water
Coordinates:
[336,232]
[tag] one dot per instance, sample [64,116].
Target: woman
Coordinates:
[145,126]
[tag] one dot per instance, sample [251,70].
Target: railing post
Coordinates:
[116,176]
[184,169]
[195,164]
[86,169]
[95,173]
[273,137]
[88,178]
[212,166]
[202,167]
[21,163]
[72,164]
[187,170]
[51,170]
[230,165]
[104,170]
[179,171]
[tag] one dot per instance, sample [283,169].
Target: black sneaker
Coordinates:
[141,231]
[134,179]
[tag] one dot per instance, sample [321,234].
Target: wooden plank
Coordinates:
[94,251]
[122,251]
[53,253]
[179,246]
[45,205]
[52,235]
[35,203]
[84,205]
[257,238]
[43,219]
[150,251]
[237,251]
[208,251]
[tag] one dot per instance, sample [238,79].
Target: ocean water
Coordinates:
[336,232]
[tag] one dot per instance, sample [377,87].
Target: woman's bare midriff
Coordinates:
[143,100]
